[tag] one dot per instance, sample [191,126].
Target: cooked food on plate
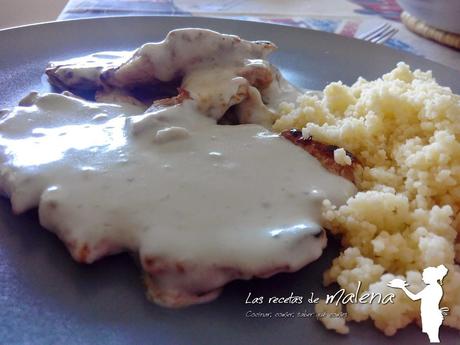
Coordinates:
[197,156]
[198,202]
[404,130]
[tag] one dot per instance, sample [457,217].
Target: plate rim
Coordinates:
[331,35]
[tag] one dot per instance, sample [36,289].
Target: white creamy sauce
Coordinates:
[171,184]
[215,89]
[42,133]
[87,69]
[202,203]
[217,70]
[281,90]
[184,49]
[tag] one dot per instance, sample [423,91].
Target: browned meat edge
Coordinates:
[324,153]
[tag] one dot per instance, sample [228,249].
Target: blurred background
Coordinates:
[430,28]
[20,12]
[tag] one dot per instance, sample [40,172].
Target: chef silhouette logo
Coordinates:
[430,296]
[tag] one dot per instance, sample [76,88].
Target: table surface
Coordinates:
[21,12]
[344,17]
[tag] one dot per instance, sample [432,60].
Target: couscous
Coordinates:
[404,129]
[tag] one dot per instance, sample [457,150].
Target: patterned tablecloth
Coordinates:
[344,17]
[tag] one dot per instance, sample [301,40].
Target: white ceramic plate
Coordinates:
[46,298]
